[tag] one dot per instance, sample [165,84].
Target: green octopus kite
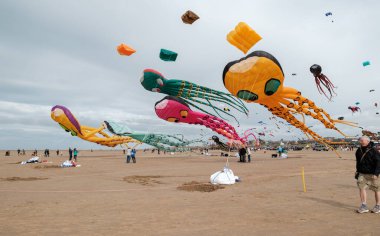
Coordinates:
[169,143]
[192,93]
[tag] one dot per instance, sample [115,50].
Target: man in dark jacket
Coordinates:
[242,153]
[367,173]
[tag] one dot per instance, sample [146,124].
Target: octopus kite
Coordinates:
[175,109]
[191,93]
[320,78]
[69,123]
[354,109]
[259,78]
[220,144]
[249,132]
[161,141]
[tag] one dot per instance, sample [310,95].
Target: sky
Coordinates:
[64,53]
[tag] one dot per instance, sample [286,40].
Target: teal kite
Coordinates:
[169,143]
[192,93]
[366,63]
[167,55]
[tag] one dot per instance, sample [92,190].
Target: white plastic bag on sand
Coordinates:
[68,163]
[226,176]
[31,160]
[284,155]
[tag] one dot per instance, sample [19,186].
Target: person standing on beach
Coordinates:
[133,155]
[129,154]
[70,153]
[75,152]
[249,154]
[57,152]
[242,153]
[367,173]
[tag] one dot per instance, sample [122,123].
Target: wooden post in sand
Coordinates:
[303,179]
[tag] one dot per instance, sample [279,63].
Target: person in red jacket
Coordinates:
[367,173]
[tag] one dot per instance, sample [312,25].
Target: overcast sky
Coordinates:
[63,52]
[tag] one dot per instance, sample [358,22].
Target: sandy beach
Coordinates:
[105,196]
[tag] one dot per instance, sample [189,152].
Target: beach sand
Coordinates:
[170,195]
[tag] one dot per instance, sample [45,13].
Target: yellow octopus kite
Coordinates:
[259,78]
[69,123]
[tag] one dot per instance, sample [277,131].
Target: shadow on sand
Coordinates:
[331,203]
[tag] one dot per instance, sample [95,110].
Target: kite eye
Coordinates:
[272,86]
[247,95]
[156,90]
[160,82]
[184,113]
[172,119]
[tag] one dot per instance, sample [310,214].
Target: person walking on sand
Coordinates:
[367,173]
[129,155]
[75,152]
[70,154]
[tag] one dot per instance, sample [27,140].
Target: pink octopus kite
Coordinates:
[174,109]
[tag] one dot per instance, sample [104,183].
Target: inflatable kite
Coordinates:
[366,63]
[174,109]
[354,109]
[372,90]
[329,14]
[341,118]
[220,144]
[189,17]
[167,55]
[125,50]
[69,123]
[243,37]
[370,134]
[259,78]
[161,141]
[191,93]
[249,132]
[316,70]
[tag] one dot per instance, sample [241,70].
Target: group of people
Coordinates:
[131,154]
[243,153]
[20,152]
[73,153]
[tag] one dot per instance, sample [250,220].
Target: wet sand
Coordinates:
[106,196]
